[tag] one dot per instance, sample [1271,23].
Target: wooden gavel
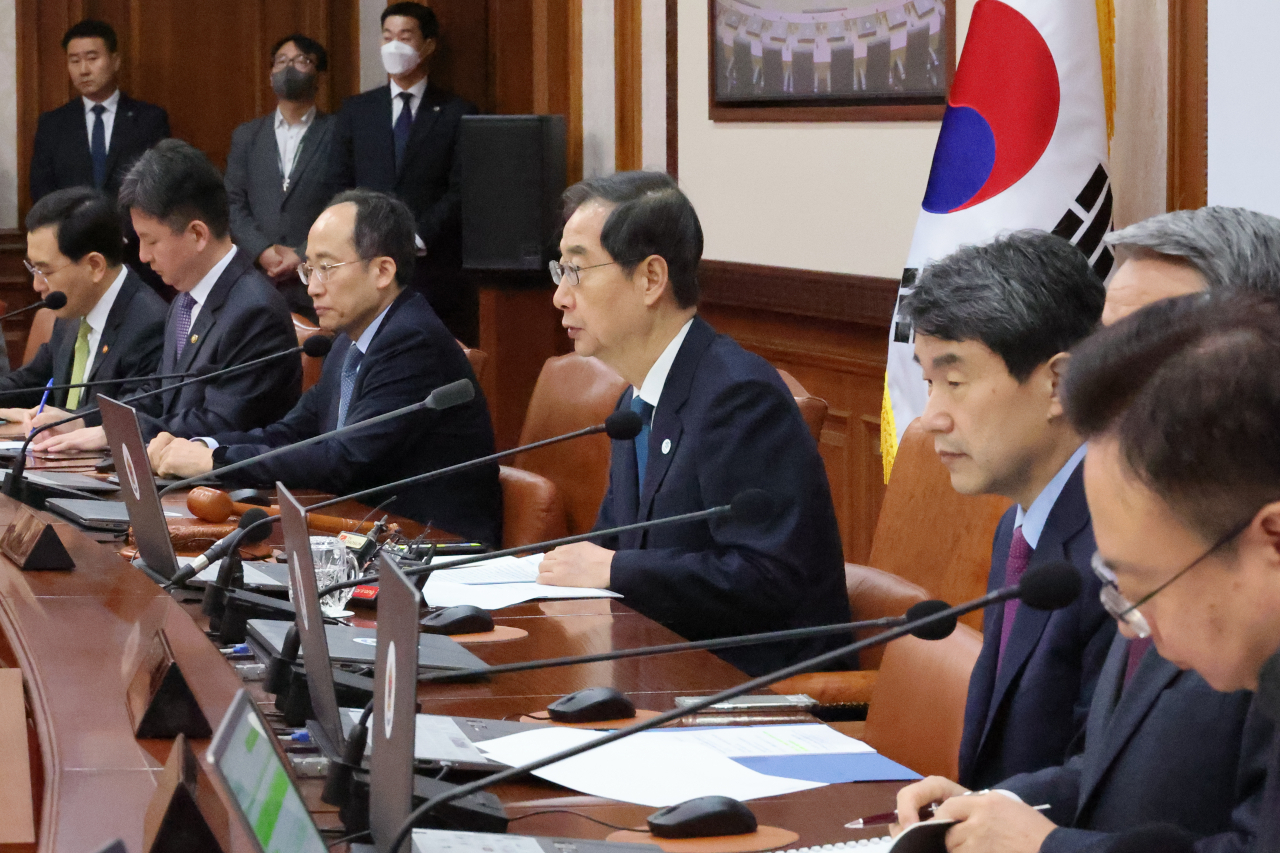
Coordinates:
[216,506]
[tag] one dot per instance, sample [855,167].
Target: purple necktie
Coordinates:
[1137,651]
[1019,556]
[182,321]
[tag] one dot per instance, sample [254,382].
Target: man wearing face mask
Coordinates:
[401,139]
[277,167]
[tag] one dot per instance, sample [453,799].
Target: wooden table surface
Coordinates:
[76,635]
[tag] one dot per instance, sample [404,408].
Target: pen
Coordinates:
[44,399]
[885,818]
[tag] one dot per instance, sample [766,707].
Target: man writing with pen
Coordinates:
[111,327]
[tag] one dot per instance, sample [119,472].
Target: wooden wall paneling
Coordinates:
[627,98]
[673,88]
[511,57]
[461,62]
[1188,178]
[15,290]
[344,50]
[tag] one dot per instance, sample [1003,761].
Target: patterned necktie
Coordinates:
[404,124]
[78,365]
[1019,556]
[350,367]
[1137,651]
[98,146]
[185,304]
[645,411]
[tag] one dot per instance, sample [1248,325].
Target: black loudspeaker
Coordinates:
[513,172]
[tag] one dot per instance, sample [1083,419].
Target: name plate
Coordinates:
[160,702]
[33,544]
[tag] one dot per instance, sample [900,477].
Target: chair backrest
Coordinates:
[874,594]
[311,366]
[916,714]
[479,361]
[572,392]
[532,510]
[41,332]
[930,534]
[812,409]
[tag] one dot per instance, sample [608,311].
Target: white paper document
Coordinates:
[435,738]
[649,768]
[752,741]
[11,444]
[500,570]
[450,841]
[495,596]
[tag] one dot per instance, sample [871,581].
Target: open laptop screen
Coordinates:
[243,756]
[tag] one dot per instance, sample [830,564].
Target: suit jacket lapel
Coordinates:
[116,317]
[121,127]
[198,333]
[266,154]
[311,140]
[1068,517]
[625,479]
[63,345]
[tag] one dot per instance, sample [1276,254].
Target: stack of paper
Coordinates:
[498,583]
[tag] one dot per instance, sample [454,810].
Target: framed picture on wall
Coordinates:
[856,60]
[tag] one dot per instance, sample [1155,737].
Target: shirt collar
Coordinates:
[1032,520]
[417,89]
[97,316]
[651,389]
[305,121]
[366,337]
[110,103]
[201,291]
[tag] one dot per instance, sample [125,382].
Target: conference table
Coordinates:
[77,637]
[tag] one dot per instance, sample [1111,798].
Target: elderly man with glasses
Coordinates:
[390,351]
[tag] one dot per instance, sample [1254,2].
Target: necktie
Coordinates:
[98,146]
[186,303]
[1137,650]
[1019,556]
[78,365]
[645,411]
[404,123]
[350,367]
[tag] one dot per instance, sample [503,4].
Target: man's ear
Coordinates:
[385,267]
[428,48]
[201,232]
[651,276]
[97,266]
[1056,373]
[1267,522]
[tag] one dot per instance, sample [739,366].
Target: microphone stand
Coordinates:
[98,383]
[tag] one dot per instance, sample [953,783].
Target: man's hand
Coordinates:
[31,421]
[181,458]
[156,448]
[918,795]
[579,564]
[288,264]
[994,823]
[270,260]
[13,416]
[88,438]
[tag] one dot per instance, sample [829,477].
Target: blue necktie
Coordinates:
[404,124]
[350,367]
[98,146]
[186,303]
[645,411]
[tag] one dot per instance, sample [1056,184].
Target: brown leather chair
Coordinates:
[572,392]
[479,360]
[41,332]
[532,510]
[812,409]
[311,366]
[917,707]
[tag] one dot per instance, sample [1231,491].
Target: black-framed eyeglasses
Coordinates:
[1126,613]
[36,272]
[302,62]
[569,273]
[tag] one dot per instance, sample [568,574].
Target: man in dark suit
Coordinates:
[277,169]
[379,145]
[992,328]
[718,420]
[226,313]
[390,351]
[110,328]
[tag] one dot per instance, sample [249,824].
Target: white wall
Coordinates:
[599,127]
[1244,104]
[372,74]
[837,197]
[653,84]
[1139,149]
[8,115]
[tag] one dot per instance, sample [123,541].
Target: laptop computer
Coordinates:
[439,741]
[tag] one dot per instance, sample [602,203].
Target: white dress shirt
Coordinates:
[108,117]
[417,90]
[97,319]
[1033,519]
[201,291]
[289,141]
[651,389]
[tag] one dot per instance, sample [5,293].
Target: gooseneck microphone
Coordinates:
[53,300]
[444,397]
[97,383]
[1047,587]
[316,346]
[750,507]
[248,529]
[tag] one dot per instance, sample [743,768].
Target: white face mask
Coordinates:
[398,58]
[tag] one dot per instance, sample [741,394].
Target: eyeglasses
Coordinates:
[302,62]
[569,273]
[1126,613]
[39,273]
[322,271]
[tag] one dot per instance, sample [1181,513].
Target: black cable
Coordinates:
[575,814]
[347,840]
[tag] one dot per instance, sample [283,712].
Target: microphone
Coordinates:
[444,397]
[100,382]
[752,507]
[316,346]
[248,528]
[1155,838]
[1047,587]
[54,300]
